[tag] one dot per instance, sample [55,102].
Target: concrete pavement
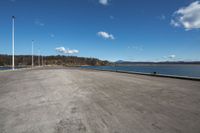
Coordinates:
[62,100]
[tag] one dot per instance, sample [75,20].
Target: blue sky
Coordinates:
[134,30]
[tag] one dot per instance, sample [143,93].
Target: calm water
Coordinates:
[176,70]
[9,68]
[5,68]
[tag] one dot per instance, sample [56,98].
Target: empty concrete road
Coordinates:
[82,101]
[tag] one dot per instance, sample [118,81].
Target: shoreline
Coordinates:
[150,74]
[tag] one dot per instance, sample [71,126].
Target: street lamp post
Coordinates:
[32,53]
[13,42]
[42,60]
[39,58]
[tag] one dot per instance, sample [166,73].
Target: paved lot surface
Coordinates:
[86,101]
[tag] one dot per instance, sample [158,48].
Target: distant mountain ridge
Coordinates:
[120,61]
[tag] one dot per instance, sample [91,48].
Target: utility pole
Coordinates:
[42,61]
[13,42]
[32,53]
[39,58]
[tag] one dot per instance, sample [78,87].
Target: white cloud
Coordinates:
[188,17]
[39,23]
[66,51]
[105,35]
[172,56]
[174,23]
[103,2]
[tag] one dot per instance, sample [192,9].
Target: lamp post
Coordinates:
[39,58]
[42,60]
[32,53]
[13,42]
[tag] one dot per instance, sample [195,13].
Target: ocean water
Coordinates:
[174,70]
[5,68]
[9,68]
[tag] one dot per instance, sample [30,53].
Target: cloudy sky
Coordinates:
[135,30]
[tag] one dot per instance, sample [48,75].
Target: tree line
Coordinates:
[26,60]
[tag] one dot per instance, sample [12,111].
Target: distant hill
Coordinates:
[26,60]
[120,61]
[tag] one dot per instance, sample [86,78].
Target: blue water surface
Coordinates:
[5,68]
[9,68]
[174,70]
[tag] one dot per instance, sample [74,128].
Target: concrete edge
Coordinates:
[149,74]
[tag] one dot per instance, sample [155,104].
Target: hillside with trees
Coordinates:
[26,60]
